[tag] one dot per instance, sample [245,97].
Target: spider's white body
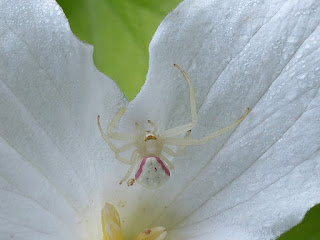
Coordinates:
[153,170]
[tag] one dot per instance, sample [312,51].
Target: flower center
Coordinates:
[111,227]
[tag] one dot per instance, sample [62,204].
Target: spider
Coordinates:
[154,168]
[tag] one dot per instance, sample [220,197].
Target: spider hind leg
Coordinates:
[133,161]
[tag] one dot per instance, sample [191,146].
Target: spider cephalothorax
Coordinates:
[154,168]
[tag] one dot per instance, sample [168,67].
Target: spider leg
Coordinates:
[137,126]
[182,142]
[180,149]
[112,124]
[167,161]
[123,149]
[194,116]
[155,129]
[121,159]
[111,145]
[133,161]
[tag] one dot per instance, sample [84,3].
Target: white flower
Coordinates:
[254,182]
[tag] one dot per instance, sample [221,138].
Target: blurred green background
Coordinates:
[120,31]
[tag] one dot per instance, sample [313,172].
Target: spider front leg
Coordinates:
[155,129]
[194,117]
[185,142]
[113,147]
[113,123]
[133,161]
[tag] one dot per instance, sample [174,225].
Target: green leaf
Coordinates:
[308,229]
[120,32]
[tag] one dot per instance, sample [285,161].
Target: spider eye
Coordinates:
[150,136]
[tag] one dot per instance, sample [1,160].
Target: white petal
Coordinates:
[53,158]
[260,180]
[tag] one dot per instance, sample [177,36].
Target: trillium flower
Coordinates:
[58,178]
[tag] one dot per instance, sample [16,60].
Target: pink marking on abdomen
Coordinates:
[138,173]
[143,162]
[165,169]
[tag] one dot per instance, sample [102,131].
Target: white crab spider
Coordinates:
[153,170]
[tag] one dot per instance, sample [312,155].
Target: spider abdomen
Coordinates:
[152,172]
